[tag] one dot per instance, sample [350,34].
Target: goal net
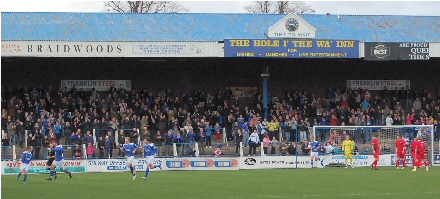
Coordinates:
[362,136]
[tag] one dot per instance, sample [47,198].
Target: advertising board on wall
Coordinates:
[99,85]
[175,49]
[201,164]
[39,166]
[109,49]
[396,51]
[118,165]
[379,84]
[291,48]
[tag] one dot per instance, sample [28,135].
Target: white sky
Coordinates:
[431,8]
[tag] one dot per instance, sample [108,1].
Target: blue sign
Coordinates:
[175,164]
[290,48]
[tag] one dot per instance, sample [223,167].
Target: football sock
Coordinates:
[398,163]
[25,178]
[131,170]
[51,172]
[147,171]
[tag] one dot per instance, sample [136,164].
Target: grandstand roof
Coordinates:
[58,26]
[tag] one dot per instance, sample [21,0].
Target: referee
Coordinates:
[51,159]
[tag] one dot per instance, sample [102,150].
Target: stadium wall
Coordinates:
[190,164]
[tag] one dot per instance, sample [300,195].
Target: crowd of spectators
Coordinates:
[169,116]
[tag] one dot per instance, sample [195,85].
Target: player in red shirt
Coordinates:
[420,155]
[400,152]
[423,153]
[376,151]
[413,150]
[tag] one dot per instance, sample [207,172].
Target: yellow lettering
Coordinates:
[240,42]
[344,44]
[323,44]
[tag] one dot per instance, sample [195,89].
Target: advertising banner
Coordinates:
[99,85]
[396,51]
[175,49]
[118,165]
[62,49]
[109,49]
[284,162]
[379,84]
[290,48]
[436,161]
[39,166]
[201,164]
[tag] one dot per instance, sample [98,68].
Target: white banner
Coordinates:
[175,49]
[39,166]
[110,49]
[119,165]
[379,84]
[283,162]
[62,49]
[99,85]
[201,164]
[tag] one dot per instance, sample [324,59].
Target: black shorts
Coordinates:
[49,162]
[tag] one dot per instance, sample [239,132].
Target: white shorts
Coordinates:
[59,164]
[314,154]
[130,160]
[24,167]
[150,160]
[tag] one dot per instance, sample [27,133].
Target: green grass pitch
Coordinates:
[281,183]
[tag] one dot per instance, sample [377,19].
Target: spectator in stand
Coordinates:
[134,135]
[101,147]
[389,120]
[121,142]
[57,130]
[217,133]
[20,132]
[417,105]
[328,148]
[158,142]
[254,141]
[178,140]
[202,140]
[191,136]
[365,105]
[11,132]
[38,141]
[77,154]
[67,131]
[108,147]
[218,151]
[208,134]
[112,140]
[73,138]
[88,138]
[45,145]
[303,131]
[90,151]
[284,148]
[266,142]
[304,148]
[245,132]
[169,140]
[409,119]
[238,138]
[275,144]
[5,146]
